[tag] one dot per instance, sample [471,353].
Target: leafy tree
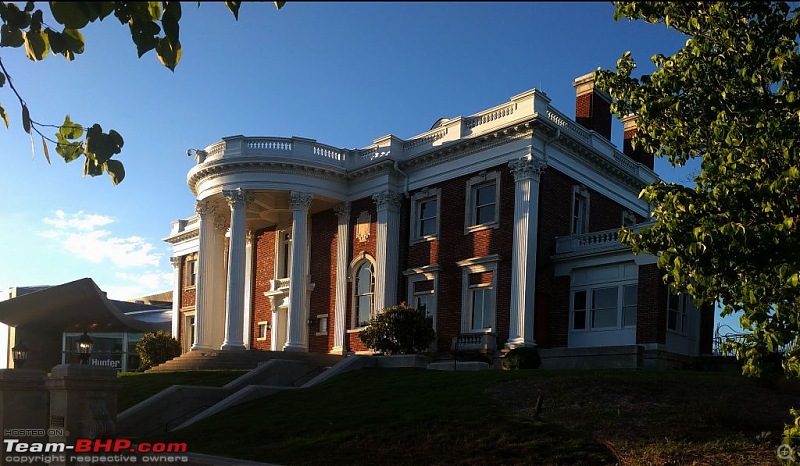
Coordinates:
[153,26]
[155,348]
[730,97]
[399,330]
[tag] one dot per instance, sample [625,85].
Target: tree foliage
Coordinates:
[153,26]
[156,348]
[730,97]
[399,330]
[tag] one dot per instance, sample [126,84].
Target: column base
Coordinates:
[337,350]
[196,347]
[295,348]
[233,347]
[520,343]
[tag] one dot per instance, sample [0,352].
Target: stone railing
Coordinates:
[566,123]
[279,284]
[491,115]
[606,239]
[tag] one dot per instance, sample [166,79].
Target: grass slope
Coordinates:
[405,416]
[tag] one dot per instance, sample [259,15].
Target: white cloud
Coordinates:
[138,285]
[82,235]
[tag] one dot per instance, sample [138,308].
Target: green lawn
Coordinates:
[138,386]
[406,416]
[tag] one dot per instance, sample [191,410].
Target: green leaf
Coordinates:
[70,129]
[70,14]
[234,7]
[4,115]
[46,152]
[91,167]
[168,54]
[10,37]
[279,5]
[154,8]
[26,119]
[116,171]
[36,45]
[57,44]
[101,146]
[73,40]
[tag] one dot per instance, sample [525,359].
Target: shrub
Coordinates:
[155,348]
[399,330]
[522,358]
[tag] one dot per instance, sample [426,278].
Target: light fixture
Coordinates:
[20,354]
[85,344]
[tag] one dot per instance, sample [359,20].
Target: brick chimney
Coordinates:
[592,106]
[629,129]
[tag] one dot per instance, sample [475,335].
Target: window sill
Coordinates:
[482,226]
[261,339]
[355,330]
[424,239]
[189,287]
[319,334]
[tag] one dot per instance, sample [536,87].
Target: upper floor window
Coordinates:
[425,215]
[628,219]
[580,210]
[283,256]
[364,288]
[483,201]
[191,271]
[677,312]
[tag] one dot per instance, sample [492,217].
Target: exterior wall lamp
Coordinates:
[20,354]
[85,344]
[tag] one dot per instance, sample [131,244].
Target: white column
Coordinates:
[248,289]
[216,282]
[342,246]
[205,268]
[388,246]
[176,296]
[297,338]
[527,172]
[234,302]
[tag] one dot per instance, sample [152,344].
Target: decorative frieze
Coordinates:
[362,226]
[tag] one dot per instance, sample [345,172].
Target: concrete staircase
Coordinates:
[216,359]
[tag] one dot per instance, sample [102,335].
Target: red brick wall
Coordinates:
[559,314]
[323,274]
[356,249]
[453,245]
[593,112]
[263,272]
[637,154]
[651,317]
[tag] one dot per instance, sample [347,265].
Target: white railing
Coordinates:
[279,284]
[491,115]
[328,152]
[216,151]
[429,138]
[565,123]
[269,144]
[606,239]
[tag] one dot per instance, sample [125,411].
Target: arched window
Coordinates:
[364,287]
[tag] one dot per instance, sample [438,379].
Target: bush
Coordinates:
[155,348]
[399,330]
[522,358]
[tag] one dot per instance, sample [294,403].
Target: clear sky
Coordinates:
[341,73]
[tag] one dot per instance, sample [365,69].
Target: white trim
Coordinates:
[266,325]
[425,195]
[478,181]
[414,278]
[468,267]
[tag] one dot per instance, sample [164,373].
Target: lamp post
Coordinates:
[20,354]
[85,344]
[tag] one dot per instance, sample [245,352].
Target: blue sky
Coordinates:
[341,73]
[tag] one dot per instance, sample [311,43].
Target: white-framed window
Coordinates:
[628,219]
[479,294]
[283,253]
[188,329]
[322,324]
[677,312]
[422,289]
[580,210]
[425,212]
[263,330]
[604,307]
[191,271]
[482,209]
[362,273]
